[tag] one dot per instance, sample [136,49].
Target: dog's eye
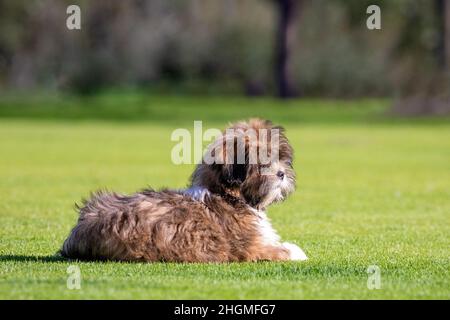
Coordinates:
[289,163]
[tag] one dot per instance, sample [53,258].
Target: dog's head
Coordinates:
[250,160]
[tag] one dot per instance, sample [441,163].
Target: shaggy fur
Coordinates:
[220,218]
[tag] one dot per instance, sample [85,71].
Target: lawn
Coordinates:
[372,190]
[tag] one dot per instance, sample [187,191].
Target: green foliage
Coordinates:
[225,44]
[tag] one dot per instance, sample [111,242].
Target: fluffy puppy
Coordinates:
[219,218]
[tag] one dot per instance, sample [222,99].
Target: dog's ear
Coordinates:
[233,167]
[251,193]
[233,175]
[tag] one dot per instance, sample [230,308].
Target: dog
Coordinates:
[220,218]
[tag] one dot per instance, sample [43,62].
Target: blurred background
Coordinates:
[280,48]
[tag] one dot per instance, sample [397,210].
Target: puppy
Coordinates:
[219,218]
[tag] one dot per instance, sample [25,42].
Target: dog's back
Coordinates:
[150,226]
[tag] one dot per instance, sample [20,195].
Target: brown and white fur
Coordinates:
[219,218]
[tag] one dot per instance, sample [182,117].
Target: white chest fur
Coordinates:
[268,233]
[270,237]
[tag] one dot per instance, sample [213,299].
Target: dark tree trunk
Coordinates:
[284,41]
[442,8]
[446,17]
[440,47]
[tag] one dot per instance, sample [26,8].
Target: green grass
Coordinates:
[372,190]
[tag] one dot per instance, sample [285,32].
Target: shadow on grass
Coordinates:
[56,258]
[25,258]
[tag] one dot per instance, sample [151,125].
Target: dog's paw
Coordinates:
[295,253]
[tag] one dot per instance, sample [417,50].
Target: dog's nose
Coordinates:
[280,174]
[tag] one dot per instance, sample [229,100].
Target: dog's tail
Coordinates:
[94,238]
[81,242]
[77,245]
